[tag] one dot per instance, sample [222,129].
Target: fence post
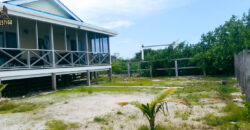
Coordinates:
[53,81]
[128,68]
[28,58]
[151,71]
[176,68]
[110,74]
[88,78]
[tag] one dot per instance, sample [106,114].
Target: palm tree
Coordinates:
[151,109]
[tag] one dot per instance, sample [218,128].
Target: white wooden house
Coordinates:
[47,39]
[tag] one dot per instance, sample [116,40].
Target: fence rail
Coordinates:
[176,68]
[37,58]
[242,71]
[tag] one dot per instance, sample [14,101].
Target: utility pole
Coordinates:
[142,52]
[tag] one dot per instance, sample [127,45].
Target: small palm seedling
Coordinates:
[2,87]
[151,109]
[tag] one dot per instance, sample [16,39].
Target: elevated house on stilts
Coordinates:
[41,38]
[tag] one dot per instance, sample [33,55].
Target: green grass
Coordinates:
[13,107]
[158,127]
[139,81]
[60,125]
[132,117]
[99,119]
[233,113]
[211,119]
[90,90]
[194,98]
[119,113]
[184,115]
[236,113]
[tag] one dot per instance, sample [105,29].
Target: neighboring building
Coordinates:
[43,37]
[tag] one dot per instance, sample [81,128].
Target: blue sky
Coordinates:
[152,22]
[186,22]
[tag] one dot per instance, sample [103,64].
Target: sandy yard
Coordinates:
[97,108]
[83,110]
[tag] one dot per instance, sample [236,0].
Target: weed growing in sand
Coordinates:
[184,115]
[211,119]
[119,113]
[99,119]
[140,81]
[132,117]
[60,125]
[10,106]
[235,118]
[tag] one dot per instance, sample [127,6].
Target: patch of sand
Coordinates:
[84,109]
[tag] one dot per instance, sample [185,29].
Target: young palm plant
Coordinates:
[151,109]
[2,87]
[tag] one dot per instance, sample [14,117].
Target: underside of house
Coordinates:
[46,39]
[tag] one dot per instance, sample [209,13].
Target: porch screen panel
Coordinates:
[105,45]
[81,42]
[1,40]
[81,45]
[93,45]
[97,43]
[11,40]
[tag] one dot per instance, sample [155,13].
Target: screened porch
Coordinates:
[31,44]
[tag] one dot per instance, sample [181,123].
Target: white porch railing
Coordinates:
[35,59]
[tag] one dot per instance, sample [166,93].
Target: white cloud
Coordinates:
[118,13]
[106,12]
[117,24]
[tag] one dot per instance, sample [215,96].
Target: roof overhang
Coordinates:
[53,19]
[61,5]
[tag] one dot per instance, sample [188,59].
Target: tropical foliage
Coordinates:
[214,53]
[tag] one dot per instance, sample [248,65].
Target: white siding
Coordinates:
[47,6]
